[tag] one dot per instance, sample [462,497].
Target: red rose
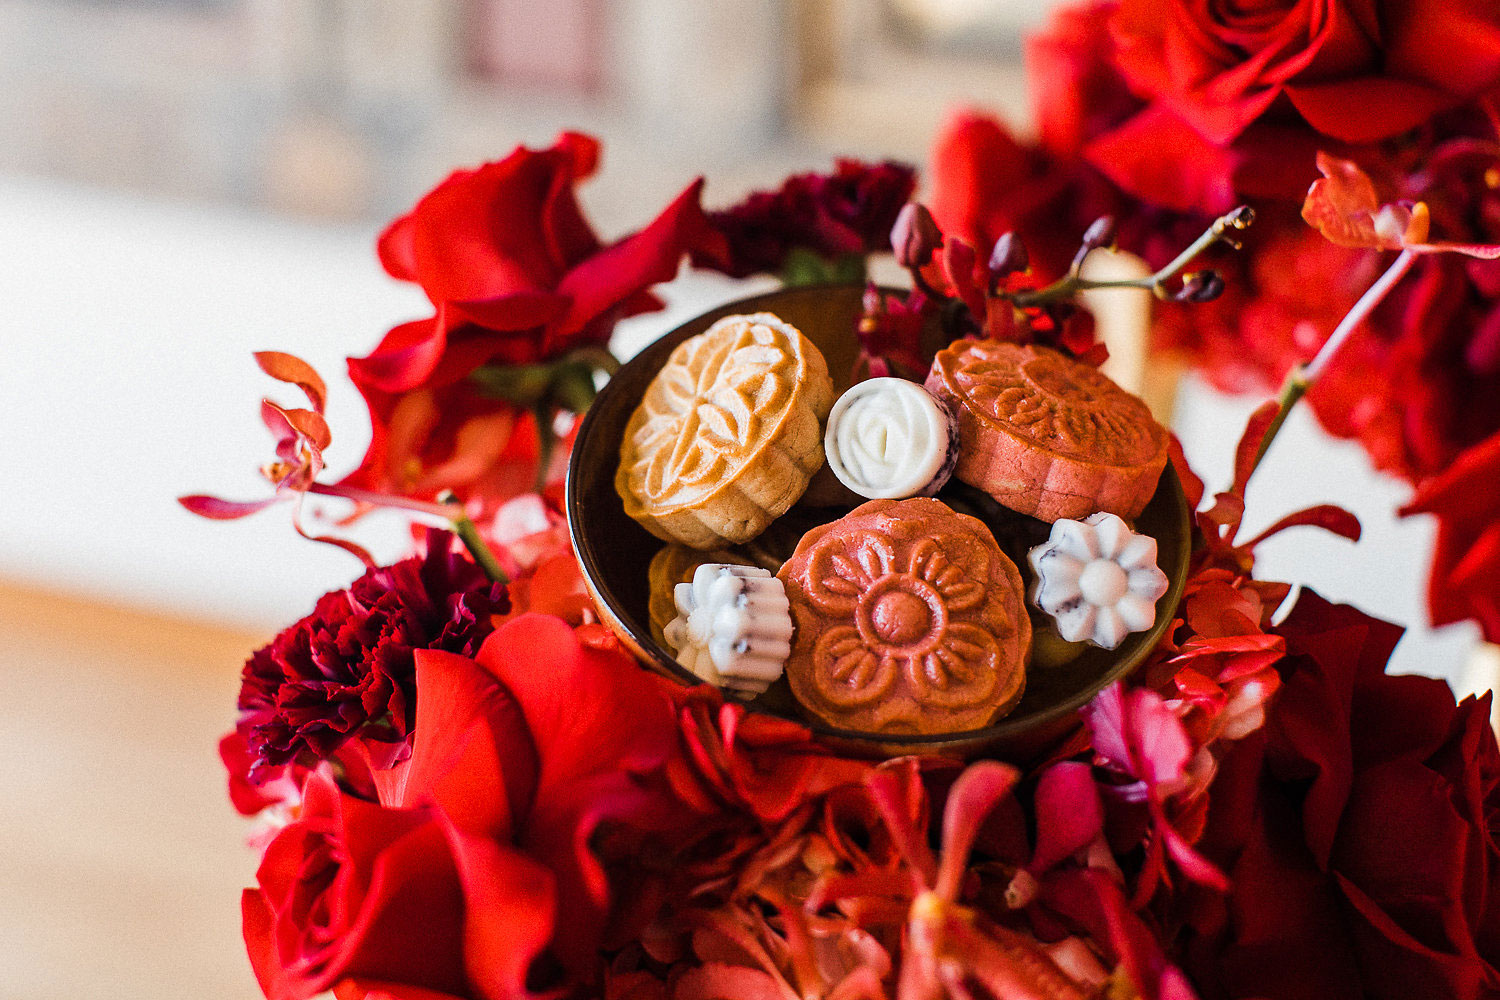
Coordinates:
[1357,829]
[400,896]
[507,249]
[1355,70]
[518,278]
[490,845]
[1465,581]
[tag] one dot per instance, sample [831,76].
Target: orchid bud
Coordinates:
[915,237]
[1008,257]
[1101,233]
[1241,217]
[1200,286]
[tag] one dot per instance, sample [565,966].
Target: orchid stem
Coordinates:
[1156,284]
[1301,378]
[357,495]
[469,535]
[1362,309]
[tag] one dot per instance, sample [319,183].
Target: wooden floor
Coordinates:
[121,860]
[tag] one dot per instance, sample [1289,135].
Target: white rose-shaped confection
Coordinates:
[1097,579]
[733,627]
[889,439]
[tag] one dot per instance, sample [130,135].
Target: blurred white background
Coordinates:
[183,182]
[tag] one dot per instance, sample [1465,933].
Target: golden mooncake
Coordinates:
[727,434]
[908,620]
[1047,435]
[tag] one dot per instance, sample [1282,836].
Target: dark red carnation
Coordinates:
[848,211]
[1359,830]
[347,669]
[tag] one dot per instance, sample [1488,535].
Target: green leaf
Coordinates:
[523,385]
[808,267]
[573,386]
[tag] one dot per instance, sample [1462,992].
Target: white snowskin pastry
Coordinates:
[1097,579]
[733,627]
[889,439]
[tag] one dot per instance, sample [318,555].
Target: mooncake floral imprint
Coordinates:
[909,619]
[1047,435]
[728,433]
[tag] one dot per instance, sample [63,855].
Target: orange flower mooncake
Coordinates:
[909,620]
[727,434]
[1047,435]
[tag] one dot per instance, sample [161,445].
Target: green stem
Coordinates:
[546,442]
[1292,390]
[1071,283]
[468,533]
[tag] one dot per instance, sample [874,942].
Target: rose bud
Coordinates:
[1008,257]
[1200,286]
[915,237]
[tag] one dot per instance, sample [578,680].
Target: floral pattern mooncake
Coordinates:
[1047,435]
[909,620]
[727,434]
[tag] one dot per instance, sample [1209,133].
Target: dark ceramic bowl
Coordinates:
[615,551]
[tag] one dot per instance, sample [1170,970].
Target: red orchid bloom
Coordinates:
[301,436]
[951,949]
[1220,524]
[1343,206]
[1135,734]
[751,761]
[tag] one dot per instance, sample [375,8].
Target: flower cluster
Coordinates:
[468,789]
[1164,113]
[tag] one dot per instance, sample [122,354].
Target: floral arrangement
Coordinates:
[1164,114]
[466,787]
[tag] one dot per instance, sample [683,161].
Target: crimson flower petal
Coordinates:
[472,755]
[1069,815]
[223,510]
[608,279]
[971,799]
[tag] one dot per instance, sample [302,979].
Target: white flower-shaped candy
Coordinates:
[889,439]
[733,627]
[1097,579]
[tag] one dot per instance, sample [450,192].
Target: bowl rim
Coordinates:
[665,663]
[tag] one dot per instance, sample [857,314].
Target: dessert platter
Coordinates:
[954,565]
